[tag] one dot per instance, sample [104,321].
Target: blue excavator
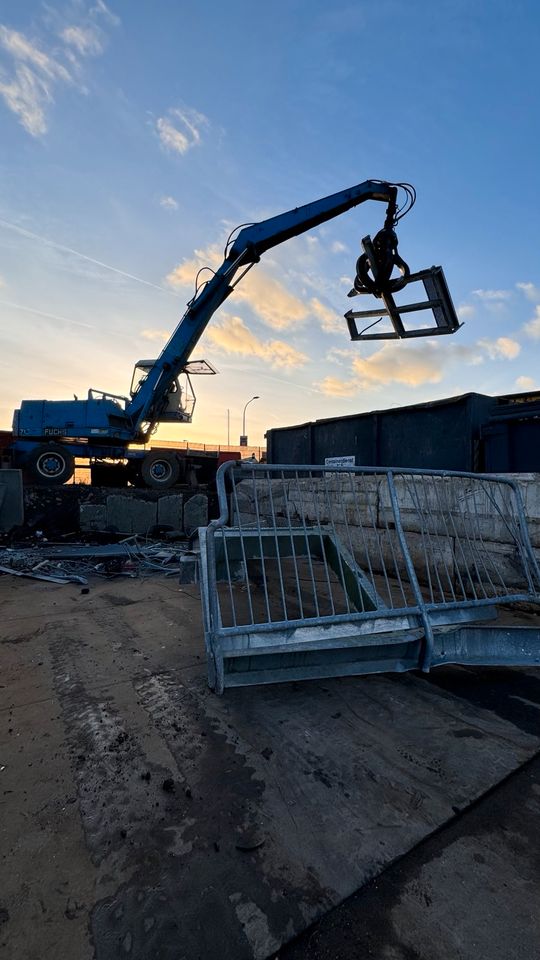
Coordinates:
[106,428]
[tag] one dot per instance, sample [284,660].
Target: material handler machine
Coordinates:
[49,434]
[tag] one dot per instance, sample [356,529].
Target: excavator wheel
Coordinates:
[160,470]
[51,463]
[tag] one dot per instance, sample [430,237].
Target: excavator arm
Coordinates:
[251,242]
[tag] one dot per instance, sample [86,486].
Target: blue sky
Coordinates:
[139,134]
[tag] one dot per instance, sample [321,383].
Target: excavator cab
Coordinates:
[180,398]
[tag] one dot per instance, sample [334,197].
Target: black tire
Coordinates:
[50,463]
[160,470]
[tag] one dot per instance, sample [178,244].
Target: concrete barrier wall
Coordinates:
[358,508]
[11,500]
[81,508]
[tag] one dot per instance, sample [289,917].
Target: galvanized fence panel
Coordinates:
[350,562]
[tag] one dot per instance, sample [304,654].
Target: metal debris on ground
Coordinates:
[76,563]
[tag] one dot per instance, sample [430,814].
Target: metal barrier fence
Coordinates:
[318,571]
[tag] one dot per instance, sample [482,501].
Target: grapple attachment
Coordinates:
[438,301]
[376,276]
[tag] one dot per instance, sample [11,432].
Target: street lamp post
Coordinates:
[243,438]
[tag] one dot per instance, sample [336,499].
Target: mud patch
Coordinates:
[512,695]
[117,600]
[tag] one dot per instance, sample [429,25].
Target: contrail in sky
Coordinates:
[83,256]
[48,316]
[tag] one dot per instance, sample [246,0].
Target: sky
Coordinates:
[136,135]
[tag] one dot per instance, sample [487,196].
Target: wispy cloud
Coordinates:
[233,336]
[101,9]
[329,320]
[32,69]
[525,383]
[334,387]
[154,334]
[530,290]
[24,51]
[503,348]
[465,311]
[491,296]
[181,129]
[340,355]
[532,328]
[86,40]
[30,88]
[168,203]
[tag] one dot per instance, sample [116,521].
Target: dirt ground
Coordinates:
[394,817]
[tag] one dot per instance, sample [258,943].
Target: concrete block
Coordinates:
[92,516]
[119,513]
[379,550]
[169,511]
[529,487]
[195,513]
[11,500]
[453,508]
[129,516]
[143,516]
[313,500]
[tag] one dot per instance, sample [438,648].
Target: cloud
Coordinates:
[102,9]
[153,334]
[503,348]
[414,365]
[525,383]
[30,88]
[233,336]
[271,301]
[338,247]
[181,129]
[330,321]
[22,50]
[390,364]
[185,273]
[339,355]
[333,387]
[491,296]
[532,328]
[411,368]
[168,203]
[27,96]
[531,291]
[268,298]
[86,40]
[465,311]
[34,75]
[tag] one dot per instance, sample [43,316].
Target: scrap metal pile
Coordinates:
[134,557]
